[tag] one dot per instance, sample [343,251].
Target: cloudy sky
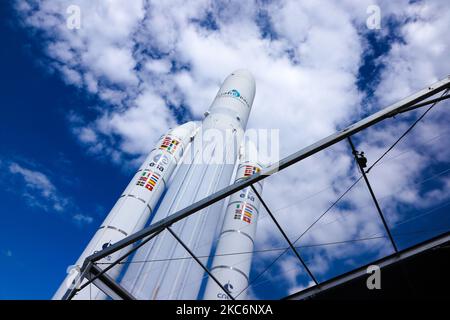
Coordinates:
[81,107]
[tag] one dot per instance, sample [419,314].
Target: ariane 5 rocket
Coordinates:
[189,163]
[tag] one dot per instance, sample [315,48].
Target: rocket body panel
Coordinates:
[132,210]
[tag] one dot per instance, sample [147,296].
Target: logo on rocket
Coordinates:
[235,93]
[228,287]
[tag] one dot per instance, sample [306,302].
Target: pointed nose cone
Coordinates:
[235,98]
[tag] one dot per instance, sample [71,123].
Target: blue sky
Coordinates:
[34,130]
[81,108]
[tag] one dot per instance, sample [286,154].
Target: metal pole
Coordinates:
[285,236]
[372,194]
[200,263]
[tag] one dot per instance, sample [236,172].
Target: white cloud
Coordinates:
[115,64]
[38,191]
[421,58]
[80,218]
[158,66]
[34,179]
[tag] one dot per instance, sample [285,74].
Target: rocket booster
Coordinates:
[208,170]
[134,207]
[232,260]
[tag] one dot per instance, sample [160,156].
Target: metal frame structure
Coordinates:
[93,274]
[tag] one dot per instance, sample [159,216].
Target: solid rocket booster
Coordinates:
[232,260]
[167,276]
[132,210]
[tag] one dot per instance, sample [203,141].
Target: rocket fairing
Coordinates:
[134,207]
[167,276]
[233,256]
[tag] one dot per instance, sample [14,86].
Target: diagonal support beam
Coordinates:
[372,194]
[200,263]
[291,245]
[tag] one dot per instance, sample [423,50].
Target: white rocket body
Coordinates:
[132,210]
[209,170]
[233,256]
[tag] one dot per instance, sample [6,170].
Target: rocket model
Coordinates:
[232,260]
[193,160]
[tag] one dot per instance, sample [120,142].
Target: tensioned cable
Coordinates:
[406,132]
[373,237]
[334,203]
[434,176]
